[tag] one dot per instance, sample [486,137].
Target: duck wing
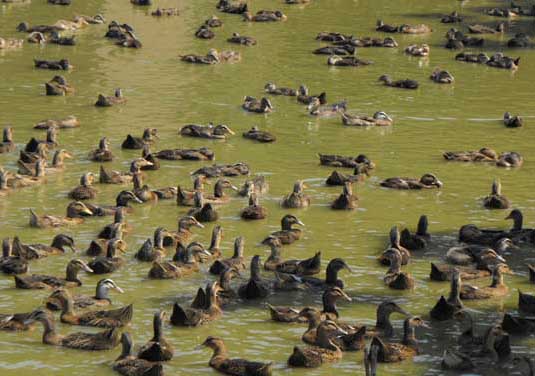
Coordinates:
[105,340]
[244,367]
[108,319]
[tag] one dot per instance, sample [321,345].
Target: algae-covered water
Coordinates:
[165,93]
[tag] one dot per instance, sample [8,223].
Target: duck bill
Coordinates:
[87,268]
[439,184]
[199,224]
[136,199]
[346,297]
[86,212]
[73,249]
[118,289]
[299,223]
[234,188]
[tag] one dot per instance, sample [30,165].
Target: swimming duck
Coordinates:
[157,349]
[496,289]
[26,28]
[396,352]
[347,61]
[10,181]
[482,29]
[214,249]
[315,109]
[36,251]
[105,340]
[379,118]
[204,32]
[75,213]
[496,200]
[427,181]
[253,211]
[258,185]
[213,57]
[203,309]
[110,262]
[238,367]
[296,199]
[387,42]
[62,64]
[482,155]
[499,60]
[273,89]
[98,247]
[226,6]
[331,275]
[84,191]
[51,142]
[510,159]
[58,164]
[102,319]
[287,234]
[159,12]
[261,106]
[15,321]
[142,191]
[100,299]
[92,20]
[474,235]
[7,145]
[347,200]
[187,197]
[183,233]
[11,264]
[344,161]
[57,38]
[414,29]
[216,170]
[203,212]
[275,262]
[243,40]
[381,26]
[520,40]
[512,121]
[265,16]
[445,309]
[10,43]
[130,365]
[117,98]
[337,178]
[103,153]
[121,201]
[261,136]
[136,143]
[345,49]
[219,132]
[183,263]
[325,351]
[36,37]
[395,243]
[150,250]
[110,231]
[141,2]
[236,261]
[417,240]
[394,277]
[58,86]
[304,98]
[441,76]
[69,122]
[455,360]
[213,21]
[483,256]
[41,281]
[128,39]
[402,84]
[201,154]
[454,17]
[256,287]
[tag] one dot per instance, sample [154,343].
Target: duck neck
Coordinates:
[3,181]
[102,293]
[158,239]
[67,305]
[137,181]
[275,253]
[7,136]
[57,160]
[58,244]
[314,321]
[198,184]
[49,334]
[157,326]
[6,248]
[72,274]
[238,250]
[216,239]
[422,226]
[395,264]
[218,190]
[286,225]
[180,253]
[224,280]
[331,275]
[255,270]
[383,322]
[409,334]
[497,279]
[127,349]
[518,222]
[329,304]
[455,290]
[219,351]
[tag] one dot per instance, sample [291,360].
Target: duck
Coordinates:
[201,154]
[40,153]
[209,131]
[445,309]
[511,121]
[257,135]
[304,98]
[236,261]
[15,322]
[254,105]
[203,212]
[496,289]
[142,191]
[130,365]
[324,111]
[76,211]
[62,64]
[102,153]
[213,21]
[160,12]
[484,154]
[325,350]
[482,29]
[257,184]
[296,199]
[112,230]
[150,250]
[184,231]
[387,42]
[109,101]
[287,234]
[453,17]
[118,177]
[520,40]
[381,26]
[394,277]
[105,340]
[347,200]
[4,188]
[334,160]
[10,43]
[264,16]
[204,32]
[41,281]
[57,38]
[58,164]
[395,243]
[33,145]
[383,326]
[219,196]
[212,57]
[309,266]
[389,352]
[187,197]
[36,37]
[273,89]
[347,61]
[98,247]
[110,262]
[158,349]
[102,319]
[100,299]
[419,239]
[214,249]
[137,143]
[379,118]
[35,251]
[216,170]
[121,202]
[233,366]
[254,210]
[456,360]
[226,6]
[128,39]
[203,309]
[256,287]
[499,60]
[10,181]
[7,145]
[97,19]
[510,159]
[338,50]
[12,264]
[402,84]
[427,181]
[442,76]
[360,173]
[242,40]
[496,200]
[58,86]
[84,191]
[483,256]
[331,275]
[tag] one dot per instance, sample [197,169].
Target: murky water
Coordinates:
[164,93]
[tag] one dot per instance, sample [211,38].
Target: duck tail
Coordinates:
[20,283]
[178,317]
[34,220]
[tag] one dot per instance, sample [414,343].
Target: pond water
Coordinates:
[165,93]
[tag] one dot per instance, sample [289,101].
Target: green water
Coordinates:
[164,93]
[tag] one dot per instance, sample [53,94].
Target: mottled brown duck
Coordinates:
[41,281]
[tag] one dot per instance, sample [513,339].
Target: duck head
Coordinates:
[124,197]
[288,220]
[430,180]
[61,240]
[78,209]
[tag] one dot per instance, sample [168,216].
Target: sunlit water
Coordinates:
[164,93]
